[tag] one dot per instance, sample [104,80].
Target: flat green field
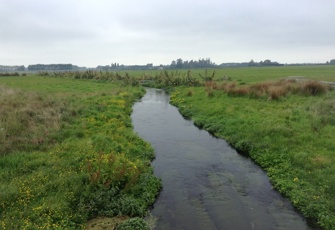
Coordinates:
[257,74]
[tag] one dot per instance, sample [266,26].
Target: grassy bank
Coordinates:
[69,154]
[290,135]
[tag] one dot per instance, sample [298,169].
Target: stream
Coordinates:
[206,183]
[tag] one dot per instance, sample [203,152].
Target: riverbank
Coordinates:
[291,138]
[206,183]
[69,154]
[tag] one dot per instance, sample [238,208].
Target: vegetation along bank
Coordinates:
[69,154]
[286,126]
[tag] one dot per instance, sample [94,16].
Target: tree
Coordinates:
[173,64]
[179,63]
[252,63]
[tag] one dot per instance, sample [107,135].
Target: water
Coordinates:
[206,183]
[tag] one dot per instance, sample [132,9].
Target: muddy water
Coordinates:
[206,183]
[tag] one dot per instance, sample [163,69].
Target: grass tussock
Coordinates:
[314,88]
[27,119]
[273,90]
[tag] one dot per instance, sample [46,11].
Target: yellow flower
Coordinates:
[295,179]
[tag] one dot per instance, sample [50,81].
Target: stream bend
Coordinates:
[206,183]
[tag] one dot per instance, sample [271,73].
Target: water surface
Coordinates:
[206,183]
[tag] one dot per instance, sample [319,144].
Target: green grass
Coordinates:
[253,74]
[68,152]
[291,138]
[90,162]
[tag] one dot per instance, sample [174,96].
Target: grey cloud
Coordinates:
[159,31]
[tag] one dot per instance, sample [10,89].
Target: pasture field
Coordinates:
[252,74]
[68,154]
[285,126]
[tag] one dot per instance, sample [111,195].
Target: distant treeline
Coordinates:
[53,67]
[175,64]
[193,64]
[266,62]
[117,66]
[7,68]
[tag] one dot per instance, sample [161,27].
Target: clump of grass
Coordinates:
[229,86]
[190,93]
[209,86]
[210,92]
[274,90]
[314,88]
[323,112]
[240,91]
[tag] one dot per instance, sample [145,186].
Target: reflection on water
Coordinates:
[206,184]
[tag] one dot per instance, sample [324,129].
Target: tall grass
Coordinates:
[27,118]
[273,90]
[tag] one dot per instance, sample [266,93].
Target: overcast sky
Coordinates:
[99,32]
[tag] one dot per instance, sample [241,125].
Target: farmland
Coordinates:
[68,152]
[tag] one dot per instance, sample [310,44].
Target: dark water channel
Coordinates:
[206,183]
